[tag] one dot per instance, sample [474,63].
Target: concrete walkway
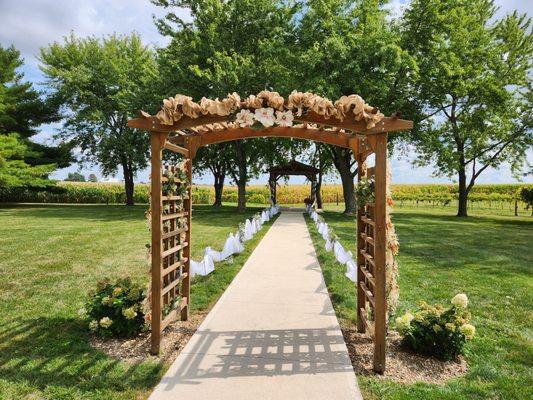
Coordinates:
[272,335]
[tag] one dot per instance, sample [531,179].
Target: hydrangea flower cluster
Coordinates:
[436,330]
[115,309]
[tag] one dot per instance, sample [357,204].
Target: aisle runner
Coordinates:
[272,335]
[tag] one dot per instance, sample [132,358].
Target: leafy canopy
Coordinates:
[474,85]
[100,84]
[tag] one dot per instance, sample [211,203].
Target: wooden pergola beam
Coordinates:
[387,124]
[227,135]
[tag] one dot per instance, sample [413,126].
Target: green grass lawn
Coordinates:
[50,256]
[489,257]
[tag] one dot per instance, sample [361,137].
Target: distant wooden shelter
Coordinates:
[292,168]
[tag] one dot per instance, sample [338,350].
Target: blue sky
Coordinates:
[32,24]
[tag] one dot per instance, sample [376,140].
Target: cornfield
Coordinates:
[490,196]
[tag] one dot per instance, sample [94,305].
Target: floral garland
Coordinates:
[268,108]
[364,192]
[392,289]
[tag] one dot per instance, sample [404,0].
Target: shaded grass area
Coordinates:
[489,258]
[50,256]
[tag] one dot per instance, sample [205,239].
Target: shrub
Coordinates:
[230,196]
[116,309]
[437,331]
[201,196]
[257,198]
[526,195]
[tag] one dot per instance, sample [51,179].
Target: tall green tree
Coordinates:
[214,159]
[15,171]
[100,84]
[229,46]
[351,47]
[22,111]
[473,85]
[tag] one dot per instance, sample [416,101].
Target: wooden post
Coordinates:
[157,141]
[361,173]
[186,284]
[380,239]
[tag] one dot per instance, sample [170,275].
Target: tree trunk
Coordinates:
[318,193]
[241,177]
[348,192]
[241,199]
[463,193]
[342,160]
[219,187]
[128,184]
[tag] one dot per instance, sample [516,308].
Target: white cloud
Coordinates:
[32,24]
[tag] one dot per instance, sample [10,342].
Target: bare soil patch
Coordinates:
[402,365]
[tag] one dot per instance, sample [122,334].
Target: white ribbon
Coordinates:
[204,267]
[351,270]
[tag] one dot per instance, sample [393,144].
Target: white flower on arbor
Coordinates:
[265,116]
[244,118]
[284,118]
[460,300]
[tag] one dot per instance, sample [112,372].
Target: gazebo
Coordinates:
[292,168]
[183,125]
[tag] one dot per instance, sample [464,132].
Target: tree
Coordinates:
[100,84]
[352,47]
[473,85]
[214,159]
[14,171]
[229,46]
[75,177]
[324,162]
[93,178]
[22,111]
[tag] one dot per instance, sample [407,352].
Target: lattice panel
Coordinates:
[366,263]
[175,199]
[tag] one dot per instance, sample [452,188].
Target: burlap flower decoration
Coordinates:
[353,106]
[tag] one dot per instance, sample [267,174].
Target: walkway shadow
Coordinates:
[260,353]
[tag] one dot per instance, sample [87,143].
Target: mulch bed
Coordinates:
[402,365]
[137,349]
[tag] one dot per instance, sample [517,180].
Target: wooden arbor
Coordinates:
[293,168]
[186,134]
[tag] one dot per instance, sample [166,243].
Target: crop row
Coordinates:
[113,193]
